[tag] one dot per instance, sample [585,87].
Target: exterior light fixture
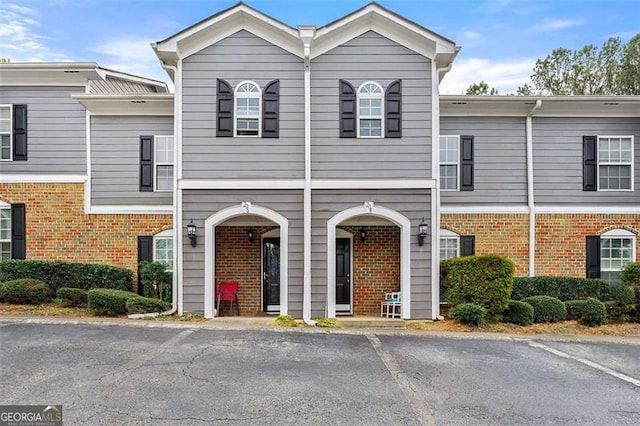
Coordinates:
[191,233]
[422,232]
[363,234]
[250,235]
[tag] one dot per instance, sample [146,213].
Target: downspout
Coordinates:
[176,226]
[306,34]
[530,190]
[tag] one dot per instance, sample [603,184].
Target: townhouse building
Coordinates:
[318,167]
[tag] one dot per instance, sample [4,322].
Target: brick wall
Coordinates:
[237,259]
[376,266]
[58,229]
[504,234]
[560,239]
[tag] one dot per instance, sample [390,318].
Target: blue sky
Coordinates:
[500,39]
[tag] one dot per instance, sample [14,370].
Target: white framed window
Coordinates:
[370,110]
[449,244]
[617,248]
[163,248]
[615,163]
[163,163]
[449,162]
[248,109]
[5,231]
[6,145]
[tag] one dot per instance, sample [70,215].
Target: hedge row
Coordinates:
[563,288]
[103,301]
[64,274]
[24,291]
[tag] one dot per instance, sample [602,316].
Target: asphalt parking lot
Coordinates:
[112,374]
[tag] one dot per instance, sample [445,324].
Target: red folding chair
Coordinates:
[228,292]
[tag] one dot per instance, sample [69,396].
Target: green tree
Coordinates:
[629,75]
[613,69]
[481,88]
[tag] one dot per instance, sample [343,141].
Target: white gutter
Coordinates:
[176,209]
[530,190]
[307,34]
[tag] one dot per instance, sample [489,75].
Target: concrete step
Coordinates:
[370,322]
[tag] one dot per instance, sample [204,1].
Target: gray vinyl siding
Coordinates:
[115,159]
[411,203]
[56,130]
[557,159]
[241,56]
[371,57]
[499,160]
[200,204]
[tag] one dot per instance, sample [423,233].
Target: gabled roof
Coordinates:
[223,24]
[371,17]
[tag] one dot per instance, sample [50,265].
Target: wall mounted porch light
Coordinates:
[250,235]
[422,232]
[363,234]
[191,233]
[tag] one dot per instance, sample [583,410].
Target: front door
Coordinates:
[343,275]
[271,274]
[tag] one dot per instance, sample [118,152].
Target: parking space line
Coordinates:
[591,364]
[418,404]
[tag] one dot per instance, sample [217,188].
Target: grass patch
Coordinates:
[327,322]
[55,308]
[286,321]
[183,318]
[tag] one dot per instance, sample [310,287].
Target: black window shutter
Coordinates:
[224,119]
[593,257]
[19,133]
[466,163]
[467,245]
[393,110]
[145,253]
[271,110]
[146,163]
[18,231]
[589,163]
[347,110]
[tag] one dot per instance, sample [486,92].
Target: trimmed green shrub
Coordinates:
[72,296]
[574,309]
[546,308]
[594,313]
[156,280]
[519,313]
[623,294]
[444,280]
[65,274]
[563,288]
[25,291]
[630,274]
[145,305]
[104,301]
[470,314]
[617,313]
[483,280]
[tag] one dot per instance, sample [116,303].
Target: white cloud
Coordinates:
[132,55]
[549,25]
[21,40]
[505,76]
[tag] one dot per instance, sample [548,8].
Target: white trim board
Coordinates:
[240,184]
[130,210]
[570,209]
[373,184]
[471,209]
[36,178]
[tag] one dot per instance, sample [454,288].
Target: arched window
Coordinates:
[247,105]
[370,110]
[163,248]
[617,248]
[449,244]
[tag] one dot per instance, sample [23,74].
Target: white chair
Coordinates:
[391,305]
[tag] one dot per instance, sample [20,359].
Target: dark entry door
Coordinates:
[271,274]
[343,274]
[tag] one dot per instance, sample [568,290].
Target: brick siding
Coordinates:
[59,230]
